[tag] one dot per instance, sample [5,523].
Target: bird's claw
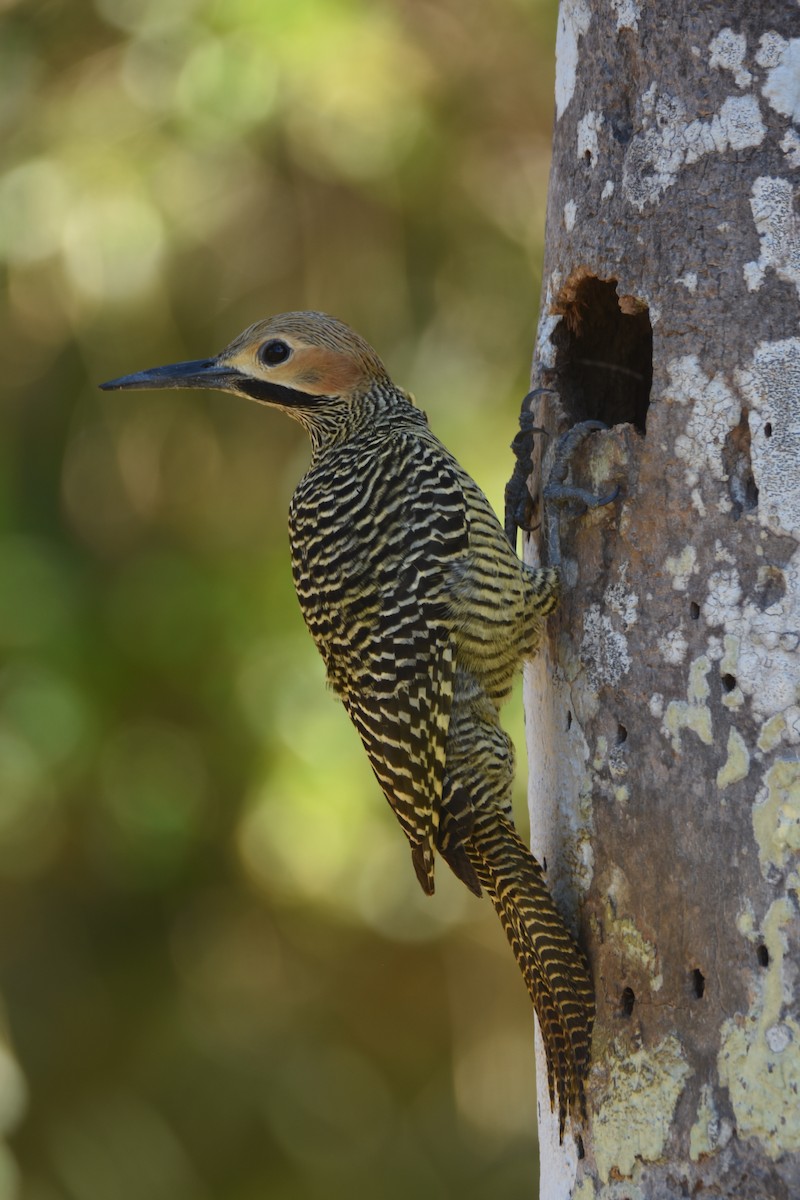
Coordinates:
[558,492]
[518,499]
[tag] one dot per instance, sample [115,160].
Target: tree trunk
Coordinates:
[663,717]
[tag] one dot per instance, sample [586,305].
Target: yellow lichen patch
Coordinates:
[693,712]
[681,567]
[698,684]
[635,1113]
[704,1135]
[771,733]
[635,948]
[776,814]
[737,764]
[759,1058]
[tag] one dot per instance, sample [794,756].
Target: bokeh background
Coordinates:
[220,978]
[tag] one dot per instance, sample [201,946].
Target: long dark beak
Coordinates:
[200,373]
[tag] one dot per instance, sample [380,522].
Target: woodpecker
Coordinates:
[423,614]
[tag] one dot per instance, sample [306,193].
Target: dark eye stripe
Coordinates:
[274,352]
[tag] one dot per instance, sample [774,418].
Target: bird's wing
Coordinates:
[401,690]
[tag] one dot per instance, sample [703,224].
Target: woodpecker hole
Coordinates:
[569,719]
[694,611]
[739,468]
[762,954]
[768,429]
[728,682]
[626,1002]
[579,1147]
[698,983]
[604,352]
[622,735]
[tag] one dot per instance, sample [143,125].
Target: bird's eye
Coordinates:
[274,352]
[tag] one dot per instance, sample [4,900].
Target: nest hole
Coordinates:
[604,353]
[698,983]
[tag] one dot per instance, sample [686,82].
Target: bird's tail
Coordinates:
[554,969]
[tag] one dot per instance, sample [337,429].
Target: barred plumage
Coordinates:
[422,614]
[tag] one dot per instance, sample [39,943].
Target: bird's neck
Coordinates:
[335,421]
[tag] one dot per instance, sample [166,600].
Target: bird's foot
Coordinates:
[557,492]
[518,499]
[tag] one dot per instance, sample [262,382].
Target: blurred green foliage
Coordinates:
[221,978]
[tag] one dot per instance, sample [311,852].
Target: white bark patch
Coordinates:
[636,1105]
[570,213]
[622,602]
[713,411]
[627,13]
[545,352]
[727,54]
[689,281]
[574,17]
[670,141]
[589,128]
[772,205]
[771,387]
[761,644]
[603,649]
[781,58]
[673,646]
[790,145]
[608,190]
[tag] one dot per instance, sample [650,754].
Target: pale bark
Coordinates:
[663,717]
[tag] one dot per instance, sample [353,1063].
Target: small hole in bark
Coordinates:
[739,469]
[768,429]
[569,719]
[626,1002]
[729,682]
[579,1146]
[544,863]
[698,983]
[762,954]
[604,352]
[622,735]
[694,611]
[771,587]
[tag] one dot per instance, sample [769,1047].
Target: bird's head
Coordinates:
[311,365]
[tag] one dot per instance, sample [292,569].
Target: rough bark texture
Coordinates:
[664,727]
